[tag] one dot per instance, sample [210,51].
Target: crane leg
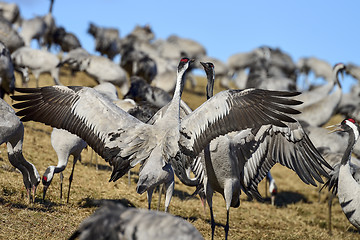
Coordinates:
[96,162]
[70,179]
[160,193]
[227,224]
[28,193]
[209,194]
[212,223]
[168,195]
[61,184]
[129,177]
[33,190]
[149,196]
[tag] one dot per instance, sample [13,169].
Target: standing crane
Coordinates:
[345,179]
[64,144]
[240,160]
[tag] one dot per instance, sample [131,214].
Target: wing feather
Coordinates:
[290,147]
[80,110]
[234,110]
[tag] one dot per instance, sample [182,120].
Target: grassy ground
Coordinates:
[297,214]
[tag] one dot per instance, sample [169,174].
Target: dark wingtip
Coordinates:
[27,90]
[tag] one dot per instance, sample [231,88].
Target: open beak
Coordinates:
[337,128]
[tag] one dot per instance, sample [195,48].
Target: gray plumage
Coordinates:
[188,47]
[320,68]
[7,78]
[240,160]
[64,144]
[39,28]
[117,222]
[107,40]
[349,104]
[10,11]
[100,68]
[38,61]
[345,178]
[9,36]
[66,40]
[141,91]
[12,133]
[125,141]
[273,70]
[318,113]
[353,70]
[73,59]
[137,63]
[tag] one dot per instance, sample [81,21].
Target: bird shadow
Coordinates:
[48,207]
[101,167]
[217,224]
[91,202]
[282,199]
[182,194]
[353,230]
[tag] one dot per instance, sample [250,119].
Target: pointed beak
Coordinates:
[44,191]
[337,128]
[203,64]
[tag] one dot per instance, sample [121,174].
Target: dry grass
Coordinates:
[298,215]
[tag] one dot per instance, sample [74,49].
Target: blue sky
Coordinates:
[328,30]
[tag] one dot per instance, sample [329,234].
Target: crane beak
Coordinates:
[337,128]
[44,191]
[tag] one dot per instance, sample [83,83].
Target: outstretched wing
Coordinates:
[234,110]
[289,146]
[81,111]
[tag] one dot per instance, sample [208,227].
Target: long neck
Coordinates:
[51,6]
[180,80]
[174,106]
[335,76]
[352,141]
[210,86]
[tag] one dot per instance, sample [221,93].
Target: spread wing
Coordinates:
[289,146]
[84,112]
[234,110]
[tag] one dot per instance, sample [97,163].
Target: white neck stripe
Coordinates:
[354,128]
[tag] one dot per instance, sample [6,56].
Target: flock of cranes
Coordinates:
[227,145]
